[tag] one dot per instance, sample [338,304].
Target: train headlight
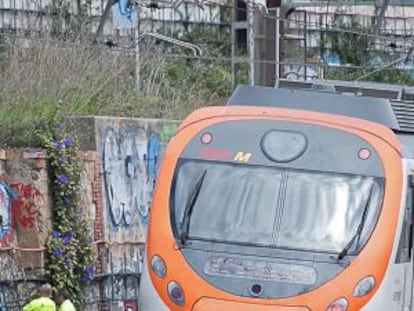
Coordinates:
[340,304]
[364,286]
[176,293]
[158,266]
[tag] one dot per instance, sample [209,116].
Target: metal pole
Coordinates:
[250,39]
[233,46]
[381,16]
[277,47]
[112,282]
[305,44]
[41,17]
[137,58]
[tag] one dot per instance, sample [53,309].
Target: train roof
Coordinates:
[390,105]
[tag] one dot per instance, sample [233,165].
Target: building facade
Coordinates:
[309,27]
[41,16]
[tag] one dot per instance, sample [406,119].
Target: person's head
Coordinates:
[45,290]
[60,296]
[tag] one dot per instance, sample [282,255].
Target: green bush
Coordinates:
[69,261]
[49,80]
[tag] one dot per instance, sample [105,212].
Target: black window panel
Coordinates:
[276,207]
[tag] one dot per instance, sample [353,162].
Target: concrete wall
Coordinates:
[121,174]
[129,152]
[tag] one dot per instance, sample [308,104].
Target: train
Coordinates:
[297,198]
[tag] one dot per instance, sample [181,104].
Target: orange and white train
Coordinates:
[284,200]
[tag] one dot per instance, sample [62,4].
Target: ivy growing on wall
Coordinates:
[69,262]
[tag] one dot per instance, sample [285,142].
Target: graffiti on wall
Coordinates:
[124,14]
[25,206]
[120,284]
[6,195]
[19,205]
[299,72]
[3,306]
[15,292]
[130,160]
[131,155]
[130,305]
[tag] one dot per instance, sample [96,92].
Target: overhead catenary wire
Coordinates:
[204,58]
[385,66]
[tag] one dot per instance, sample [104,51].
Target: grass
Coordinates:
[46,79]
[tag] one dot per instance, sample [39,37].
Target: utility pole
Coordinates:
[233,46]
[275,5]
[137,56]
[381,16]
[380,20]
[277,47]
[250,40]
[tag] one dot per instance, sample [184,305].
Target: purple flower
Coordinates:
[58,252]
[88,274]
[90,270]
[55,233]
[66,239]
[68,236]
[68,141]
[58,126]
[61,159]
[63,179]
[46,125]
[59,146]
[68,201]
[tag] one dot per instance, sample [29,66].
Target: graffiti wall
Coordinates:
[6,195]
[120,162]
[122,180]
[25,207]
[24,224]
[121,282]
[130,151]
[116,288]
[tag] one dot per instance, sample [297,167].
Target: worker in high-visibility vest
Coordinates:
[63,302]
[43,301]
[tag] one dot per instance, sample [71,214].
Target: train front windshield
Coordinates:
[273,207]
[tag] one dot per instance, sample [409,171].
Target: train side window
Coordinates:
[406,240]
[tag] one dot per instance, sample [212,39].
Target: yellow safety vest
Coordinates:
[40,304]
[66,306]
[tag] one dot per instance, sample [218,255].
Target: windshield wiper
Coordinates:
[357,234]
[192,198]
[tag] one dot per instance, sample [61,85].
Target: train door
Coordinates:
[406,251]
